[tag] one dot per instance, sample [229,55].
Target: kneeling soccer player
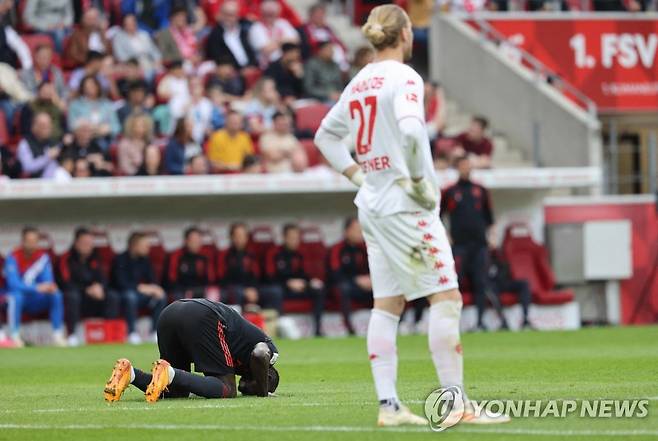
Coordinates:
[220,343]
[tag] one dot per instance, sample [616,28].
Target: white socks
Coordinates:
[132,374]
[383,355]
[444,343]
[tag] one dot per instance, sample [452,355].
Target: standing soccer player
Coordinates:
[408,251]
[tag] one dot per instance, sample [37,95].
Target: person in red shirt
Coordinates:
[475,144]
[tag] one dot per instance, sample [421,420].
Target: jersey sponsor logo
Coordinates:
[372,83]
[378,163]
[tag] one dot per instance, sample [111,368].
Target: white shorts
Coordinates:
[409,254]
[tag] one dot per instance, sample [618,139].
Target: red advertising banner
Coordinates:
[612,61]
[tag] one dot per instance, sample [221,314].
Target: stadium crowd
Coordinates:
[125,88]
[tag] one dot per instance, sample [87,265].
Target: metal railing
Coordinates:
[493,35]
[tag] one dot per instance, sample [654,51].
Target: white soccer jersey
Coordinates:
[369,109]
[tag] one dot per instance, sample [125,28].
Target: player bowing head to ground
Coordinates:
[381,111]
[220,343]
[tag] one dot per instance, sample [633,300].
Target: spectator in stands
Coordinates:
[130,42]
[229,40]
[284,267]
[44,71]
[181,148]
[226,77]
[475,144]
[323,79]
[315,31]
[189,272]
[31,287]
[619,5]
[86,146]
[468,208]
[270,32]
[348,265]
[280,150]
[84,284]
[89,36]
[218,101]
[199,166]
[238,271]
[152,15]
[46,101]
[200,111]
[38,151]
[435,109]
[92,68]
[228,147]
[502,281]
[13,49]
[152,165]
[81,168]
[92,105]
[137,134]
[462,6]
[133,278]
[362,56]
[420,13]
[65,169]
[137,101]
[265,103]
[10,166]
[52,17]
[252,165]
[174,89]
[177,42]
[288,72]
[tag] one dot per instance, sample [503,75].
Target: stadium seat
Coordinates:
[312,152]
[4,132]
[261,239]
[308,118]
[315,252]
[157,254]
[211,251]
[251,76]
[528,260]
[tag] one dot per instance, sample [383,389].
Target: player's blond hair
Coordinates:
[384,26]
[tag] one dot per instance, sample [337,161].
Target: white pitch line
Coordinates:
[345,429]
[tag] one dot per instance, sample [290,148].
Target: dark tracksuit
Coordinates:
[213,337]
[189,274]
[346,262]
[127,273]
[282,265]
[76,275]
[468,207]
[237,270]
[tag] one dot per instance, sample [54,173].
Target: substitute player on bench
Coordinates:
[381,110]
[220,343]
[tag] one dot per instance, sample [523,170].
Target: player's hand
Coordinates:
[420,191]
[297,285]
[363,281]
[46,288]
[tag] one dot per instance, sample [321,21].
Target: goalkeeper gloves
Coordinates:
[420,191]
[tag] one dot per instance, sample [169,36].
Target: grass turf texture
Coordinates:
[326,390]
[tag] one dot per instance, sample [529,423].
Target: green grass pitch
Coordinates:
[326,391]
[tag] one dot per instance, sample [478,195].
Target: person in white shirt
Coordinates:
[267,35]
[174,88]
[381,110]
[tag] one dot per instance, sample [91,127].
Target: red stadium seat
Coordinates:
[315,253]
[4,132]
[157,254]
[312,152]
[261,240]
[251,76]
[308,118]
[528,260]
